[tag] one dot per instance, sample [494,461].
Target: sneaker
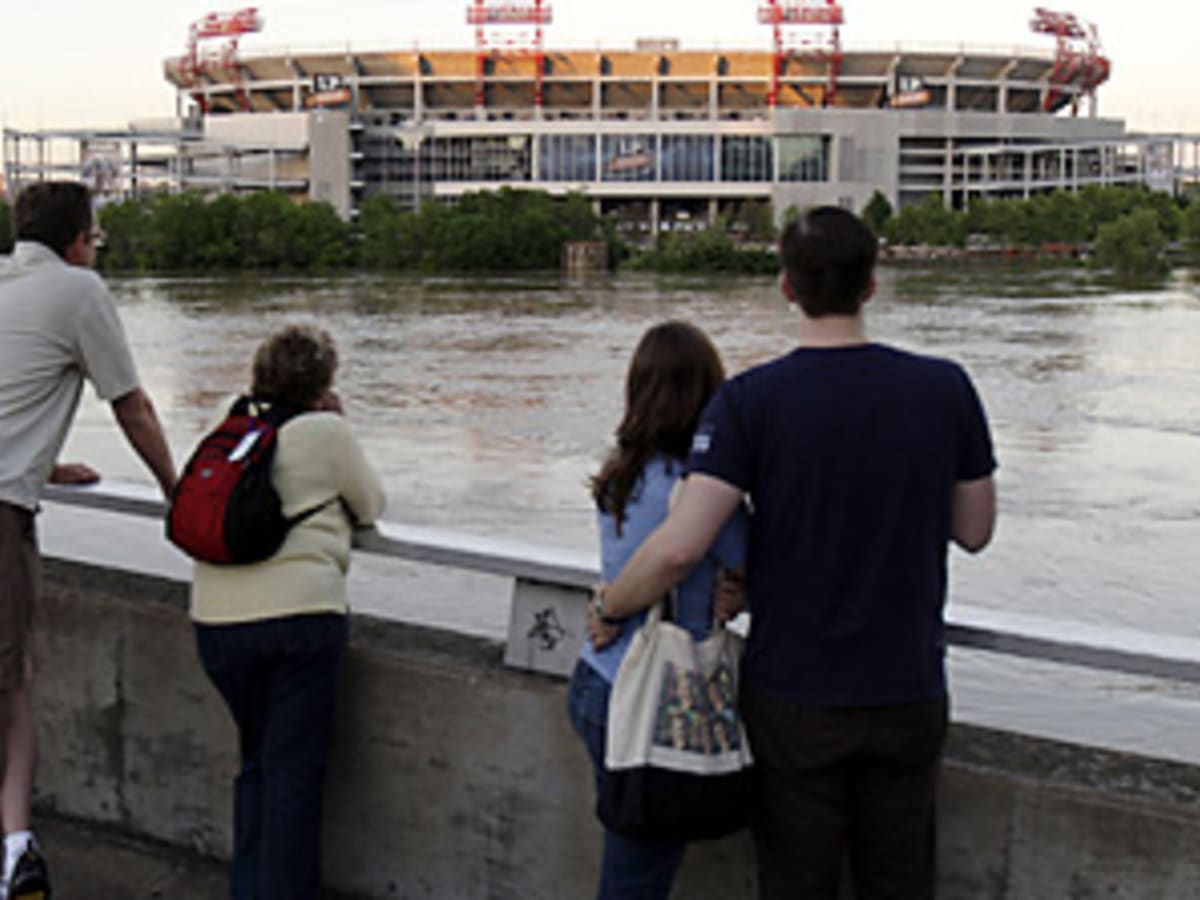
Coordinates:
[30,878]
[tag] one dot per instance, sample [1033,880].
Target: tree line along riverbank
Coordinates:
[1126,230]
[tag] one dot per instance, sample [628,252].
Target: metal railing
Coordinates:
[548,613]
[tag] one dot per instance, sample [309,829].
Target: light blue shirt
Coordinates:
[645,511]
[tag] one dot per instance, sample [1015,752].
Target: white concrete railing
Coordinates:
[546,624]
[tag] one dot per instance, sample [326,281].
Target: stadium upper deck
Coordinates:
[625,83]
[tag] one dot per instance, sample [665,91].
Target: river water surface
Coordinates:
[486,404]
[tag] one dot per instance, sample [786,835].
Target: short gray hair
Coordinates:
[295,366]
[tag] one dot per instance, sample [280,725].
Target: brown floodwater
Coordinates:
[486,403]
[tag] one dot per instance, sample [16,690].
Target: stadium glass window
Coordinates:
[687,157]
[567,157]
[628,157]
[804,158]
[746,159]
[479,159]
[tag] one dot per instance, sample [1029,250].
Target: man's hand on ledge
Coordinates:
[73,473]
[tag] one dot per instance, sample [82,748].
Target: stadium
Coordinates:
[658,136]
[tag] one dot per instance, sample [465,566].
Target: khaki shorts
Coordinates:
[20,576]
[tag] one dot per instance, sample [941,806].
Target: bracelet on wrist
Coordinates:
[596,605]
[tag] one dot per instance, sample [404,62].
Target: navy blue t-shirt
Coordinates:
[850,456]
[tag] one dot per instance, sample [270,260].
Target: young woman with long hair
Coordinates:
[674,371]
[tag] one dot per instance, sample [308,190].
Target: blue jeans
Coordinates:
[629,869]
[279,680]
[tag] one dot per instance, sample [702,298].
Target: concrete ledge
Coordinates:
[455,776]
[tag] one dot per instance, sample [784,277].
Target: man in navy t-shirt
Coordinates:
[862,462]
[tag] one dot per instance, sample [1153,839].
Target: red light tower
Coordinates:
[488,16]
[218,25]
[827,48]
[1077,53]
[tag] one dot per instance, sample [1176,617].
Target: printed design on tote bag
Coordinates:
[697,715]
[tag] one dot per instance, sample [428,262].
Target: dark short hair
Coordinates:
[295,366]
[828,257]
[53,213]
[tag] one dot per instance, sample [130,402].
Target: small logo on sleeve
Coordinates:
[701,442]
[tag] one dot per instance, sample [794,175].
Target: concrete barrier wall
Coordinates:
[456,777]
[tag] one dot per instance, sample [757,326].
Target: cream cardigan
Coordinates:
[317,461]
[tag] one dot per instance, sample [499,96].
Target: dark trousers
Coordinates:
[629,869]
[279,680]
[851,788]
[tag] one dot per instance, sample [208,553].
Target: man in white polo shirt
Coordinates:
[58,327]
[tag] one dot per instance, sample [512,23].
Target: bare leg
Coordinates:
[16,795]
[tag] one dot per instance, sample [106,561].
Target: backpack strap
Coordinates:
[266,409]
[276,414]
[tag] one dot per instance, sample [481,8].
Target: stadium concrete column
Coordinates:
[418,110]
[295,70]
[355,85]
[948,175]
[952,84]
[1002,92]
[597,93]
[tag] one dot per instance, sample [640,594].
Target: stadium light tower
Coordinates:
[813,13]
[486,17]
[1077,53]
[231,25]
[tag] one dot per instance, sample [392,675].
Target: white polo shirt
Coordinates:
[58,326]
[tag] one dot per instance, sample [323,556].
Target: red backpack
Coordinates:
[224,509]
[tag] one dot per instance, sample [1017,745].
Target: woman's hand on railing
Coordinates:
[329,401]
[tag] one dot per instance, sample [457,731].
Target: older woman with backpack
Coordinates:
[271,634]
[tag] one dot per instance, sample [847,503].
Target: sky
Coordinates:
[98,63]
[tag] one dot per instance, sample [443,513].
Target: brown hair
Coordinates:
[53,213]
[674,372]
[828,259]
[295,366]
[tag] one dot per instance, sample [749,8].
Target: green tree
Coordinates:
[1190,227]
[320,239]
[6,228]
[181,232]
[709,250]
[385,235]
[1103,205]
[130,229]
[1132,246]
[222,251]
[1003,220]
[928,223]
[877,212]
[1065,220]
[1166,210]
[265,230]
[753,220]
